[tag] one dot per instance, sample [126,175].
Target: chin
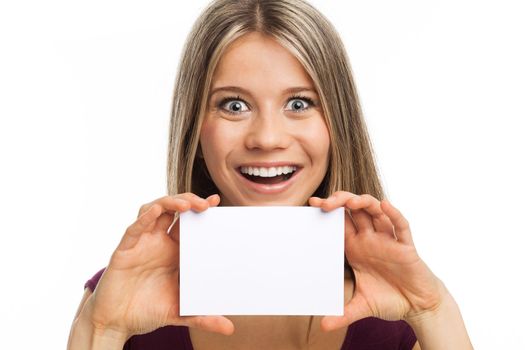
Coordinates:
[274,202]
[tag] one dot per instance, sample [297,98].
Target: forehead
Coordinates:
[259,60]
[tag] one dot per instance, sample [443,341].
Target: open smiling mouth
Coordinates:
[268,176]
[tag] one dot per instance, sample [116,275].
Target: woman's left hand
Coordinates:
[391,280]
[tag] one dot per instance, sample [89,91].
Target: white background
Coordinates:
[85,93]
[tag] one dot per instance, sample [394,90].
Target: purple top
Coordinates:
[366,334]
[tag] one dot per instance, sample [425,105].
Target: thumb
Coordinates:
[355,310]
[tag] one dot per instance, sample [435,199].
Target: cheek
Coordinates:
[216,140]
[318,140]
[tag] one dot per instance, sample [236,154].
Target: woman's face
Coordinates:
[263,120]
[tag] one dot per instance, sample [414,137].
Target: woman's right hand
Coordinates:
[139,290]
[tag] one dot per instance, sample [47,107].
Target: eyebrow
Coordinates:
[244,91]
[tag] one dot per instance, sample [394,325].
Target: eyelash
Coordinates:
[238,98]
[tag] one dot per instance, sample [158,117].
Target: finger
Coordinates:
[145,221]
[214,200]
[197,203]
[350,226]
[380,221]
[217,324]
[174,232]
[361,219]
[153,211]
[144,208]
[163,223]
[401,225]
[355,310]
[315,201]
[336,200]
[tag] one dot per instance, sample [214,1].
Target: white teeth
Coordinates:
[268,172]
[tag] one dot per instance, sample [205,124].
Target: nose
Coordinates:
[268,131]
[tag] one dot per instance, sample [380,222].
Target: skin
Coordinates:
[267,127]
[392,281]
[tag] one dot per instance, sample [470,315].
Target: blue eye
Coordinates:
[234,105]
[298,103]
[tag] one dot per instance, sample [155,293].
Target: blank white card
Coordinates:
[262,261]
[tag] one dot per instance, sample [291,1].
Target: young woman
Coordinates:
[265,112]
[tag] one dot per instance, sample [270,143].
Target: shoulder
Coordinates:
[380,334]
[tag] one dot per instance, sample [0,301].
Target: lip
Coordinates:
[266,188]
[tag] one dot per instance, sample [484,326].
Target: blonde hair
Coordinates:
[312,39]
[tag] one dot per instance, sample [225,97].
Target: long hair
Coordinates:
[312,39]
